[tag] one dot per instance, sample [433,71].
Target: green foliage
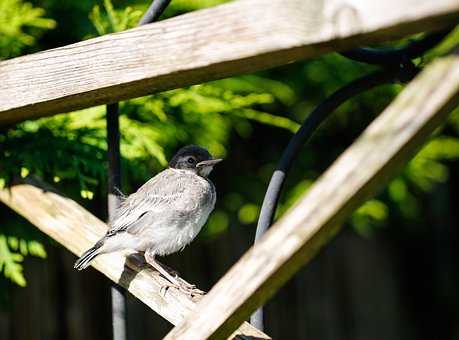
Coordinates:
[248,213]
[217,224]
[20,25]
[110,20]
[372,214]
[10,263]
[17,241]
[428,167]
[192,5]
[12,253]
[76,154]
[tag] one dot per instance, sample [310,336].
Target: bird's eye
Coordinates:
[191,160]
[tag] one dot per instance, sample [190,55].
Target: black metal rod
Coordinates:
[114,159]
[394,55]
[292,150]
[118,294]
[154,11]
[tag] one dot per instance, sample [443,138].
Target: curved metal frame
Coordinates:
[395,55]
[397,66]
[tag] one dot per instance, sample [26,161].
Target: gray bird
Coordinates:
[165,214]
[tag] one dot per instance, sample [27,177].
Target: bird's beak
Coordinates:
[210,162]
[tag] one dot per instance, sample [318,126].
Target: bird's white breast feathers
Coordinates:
[165,214]
[180,232]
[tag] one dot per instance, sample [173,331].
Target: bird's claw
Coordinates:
[190,287]
[183,286]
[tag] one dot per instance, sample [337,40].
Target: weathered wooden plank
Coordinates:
[357,175]
[76,229]
[234,38]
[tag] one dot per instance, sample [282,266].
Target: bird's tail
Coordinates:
[88,256]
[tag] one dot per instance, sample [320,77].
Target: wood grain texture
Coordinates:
[238,37]
[357,175]
[76,229]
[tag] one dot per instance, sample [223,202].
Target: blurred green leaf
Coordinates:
[217,224]
[372,213]
[20,25]
[248,213]
[10,263]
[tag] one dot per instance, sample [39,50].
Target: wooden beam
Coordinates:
[238,37]
[388,143]
[76,229]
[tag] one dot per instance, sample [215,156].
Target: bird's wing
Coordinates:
[162,195]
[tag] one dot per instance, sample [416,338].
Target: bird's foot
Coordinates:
[183,286]
[190,287]
[171,271]
[173,279]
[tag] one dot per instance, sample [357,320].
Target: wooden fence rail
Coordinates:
[359,172]
[76,229]
[234,38]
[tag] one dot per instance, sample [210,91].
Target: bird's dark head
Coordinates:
[194,158]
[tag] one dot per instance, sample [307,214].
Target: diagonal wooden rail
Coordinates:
[77,229]
[360,171]
[238,37]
